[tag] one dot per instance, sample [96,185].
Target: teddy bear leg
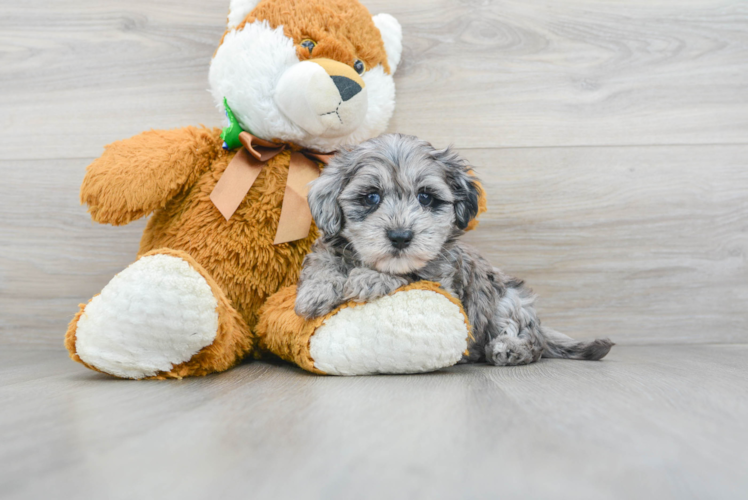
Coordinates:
[419,328]
[162,317]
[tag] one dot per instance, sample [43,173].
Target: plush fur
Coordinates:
[263,50]
[419,328]
[159,312]
[238,11]
[392,36]
[391,211]
[395,334]
[342,29]
[171,174]
[232,339]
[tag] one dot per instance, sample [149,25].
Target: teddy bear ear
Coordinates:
[392,35]
[238,10]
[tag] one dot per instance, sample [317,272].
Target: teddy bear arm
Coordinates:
[138,175]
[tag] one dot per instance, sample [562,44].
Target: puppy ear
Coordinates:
[392,36]
[464,186]
[323,200]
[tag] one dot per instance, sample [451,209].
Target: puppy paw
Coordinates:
[364,285]
[318,299]
[511,351]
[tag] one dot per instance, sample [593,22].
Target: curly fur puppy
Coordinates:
[391,212]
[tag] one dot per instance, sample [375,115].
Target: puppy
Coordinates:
[391,212]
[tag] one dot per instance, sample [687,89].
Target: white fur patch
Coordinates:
[392,36]
[408,332]
[381,89]
[309,97]
[249,65]
[157,313]
[245,70]
[238,10]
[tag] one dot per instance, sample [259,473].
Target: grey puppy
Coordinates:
[391,212]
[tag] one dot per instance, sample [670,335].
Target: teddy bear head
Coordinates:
[316,73]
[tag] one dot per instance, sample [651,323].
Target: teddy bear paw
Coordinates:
[411,331]
[157,313]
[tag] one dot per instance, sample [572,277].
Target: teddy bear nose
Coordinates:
[400,238]
[347,87]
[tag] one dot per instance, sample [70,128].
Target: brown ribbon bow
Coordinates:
[236,181]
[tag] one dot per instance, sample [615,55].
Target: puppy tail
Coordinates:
[559,345]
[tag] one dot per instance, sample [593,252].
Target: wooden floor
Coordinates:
[665,422]
[612,138]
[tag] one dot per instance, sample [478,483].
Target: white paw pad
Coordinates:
[408,332]
[157,313]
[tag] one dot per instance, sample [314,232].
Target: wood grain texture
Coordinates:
[645,245]
[648,422]
[78,74]
[52,256]
[492,73]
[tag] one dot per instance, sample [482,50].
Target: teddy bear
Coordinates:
[229,225]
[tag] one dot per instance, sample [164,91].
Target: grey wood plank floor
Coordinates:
[612,138]
[650,422]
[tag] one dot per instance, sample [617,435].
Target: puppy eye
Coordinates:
[425,199]
[359,66]
[308,44]
[372,199]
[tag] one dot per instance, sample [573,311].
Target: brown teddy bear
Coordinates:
[230,225]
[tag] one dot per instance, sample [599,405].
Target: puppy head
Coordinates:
[396,200]
[314,73]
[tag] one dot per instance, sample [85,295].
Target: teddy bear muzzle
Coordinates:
[324,97]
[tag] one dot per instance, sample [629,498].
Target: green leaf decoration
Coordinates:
[230,134]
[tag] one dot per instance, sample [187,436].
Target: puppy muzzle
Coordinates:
[326,98]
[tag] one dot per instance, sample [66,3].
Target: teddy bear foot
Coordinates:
[420,328]
[162,317]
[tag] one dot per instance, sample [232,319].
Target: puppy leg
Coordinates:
[519,340]
[320,288]
[508,350]
[364,284]
[318,298]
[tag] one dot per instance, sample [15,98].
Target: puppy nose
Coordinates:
[400,238]
[347,87]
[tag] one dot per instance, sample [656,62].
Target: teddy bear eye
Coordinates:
[359,66]
[308,44]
